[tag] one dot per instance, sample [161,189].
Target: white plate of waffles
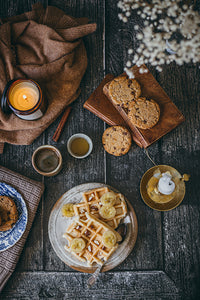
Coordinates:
[90,226]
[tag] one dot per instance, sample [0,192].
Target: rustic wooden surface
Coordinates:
[165,263]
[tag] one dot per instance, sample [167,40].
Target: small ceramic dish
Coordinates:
[47,160]
[180,189]
[78,139]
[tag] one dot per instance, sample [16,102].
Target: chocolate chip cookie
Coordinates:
[122,90]
[144,113]
[116,140]
[8,213]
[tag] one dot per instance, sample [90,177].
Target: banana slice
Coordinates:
[77,245]
[109,239]
[108,199]
[68,210]
[107,212]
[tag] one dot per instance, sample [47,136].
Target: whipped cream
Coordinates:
[166,186]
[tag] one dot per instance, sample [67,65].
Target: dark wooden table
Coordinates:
[165,263]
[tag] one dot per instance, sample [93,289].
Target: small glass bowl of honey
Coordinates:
[79,145]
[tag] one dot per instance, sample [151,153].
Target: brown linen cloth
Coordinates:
[31,192]
[46,46]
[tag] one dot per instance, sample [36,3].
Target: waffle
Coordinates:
[91,230]
[91,204]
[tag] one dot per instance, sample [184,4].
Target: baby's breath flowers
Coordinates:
[171,32]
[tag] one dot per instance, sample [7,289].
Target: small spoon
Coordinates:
[122,230]
[91,281]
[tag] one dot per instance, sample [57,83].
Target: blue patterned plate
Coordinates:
[10,237]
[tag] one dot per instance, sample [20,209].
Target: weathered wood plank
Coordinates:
[127,285]
[12,8]
[90,169]
[181,150]
[182,243]
[18,158]
[124,173]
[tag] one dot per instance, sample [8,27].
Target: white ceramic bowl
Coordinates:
[79,135]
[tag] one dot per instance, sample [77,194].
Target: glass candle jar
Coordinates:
[25,99]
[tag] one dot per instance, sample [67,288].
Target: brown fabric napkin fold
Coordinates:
[44,45]
[31,192]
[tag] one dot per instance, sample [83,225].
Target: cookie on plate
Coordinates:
[123,90]
[116,140]
[8,213]
[144,113]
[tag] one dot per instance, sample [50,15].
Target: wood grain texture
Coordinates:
[125,172]
[179,149]
[18,158]
[165,262]
[181,227]
[62,285]
[90,169]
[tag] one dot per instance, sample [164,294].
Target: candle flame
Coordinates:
[24,96]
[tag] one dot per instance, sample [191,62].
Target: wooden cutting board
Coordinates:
[170,116]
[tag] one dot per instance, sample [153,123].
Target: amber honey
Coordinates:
[79,146]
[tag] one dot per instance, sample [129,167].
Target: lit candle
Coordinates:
[24,97]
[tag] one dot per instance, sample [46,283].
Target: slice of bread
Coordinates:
[8,213]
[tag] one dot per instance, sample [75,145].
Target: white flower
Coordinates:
[128,64]
[139,36]
[129,73]
[124,19]
[130,51]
